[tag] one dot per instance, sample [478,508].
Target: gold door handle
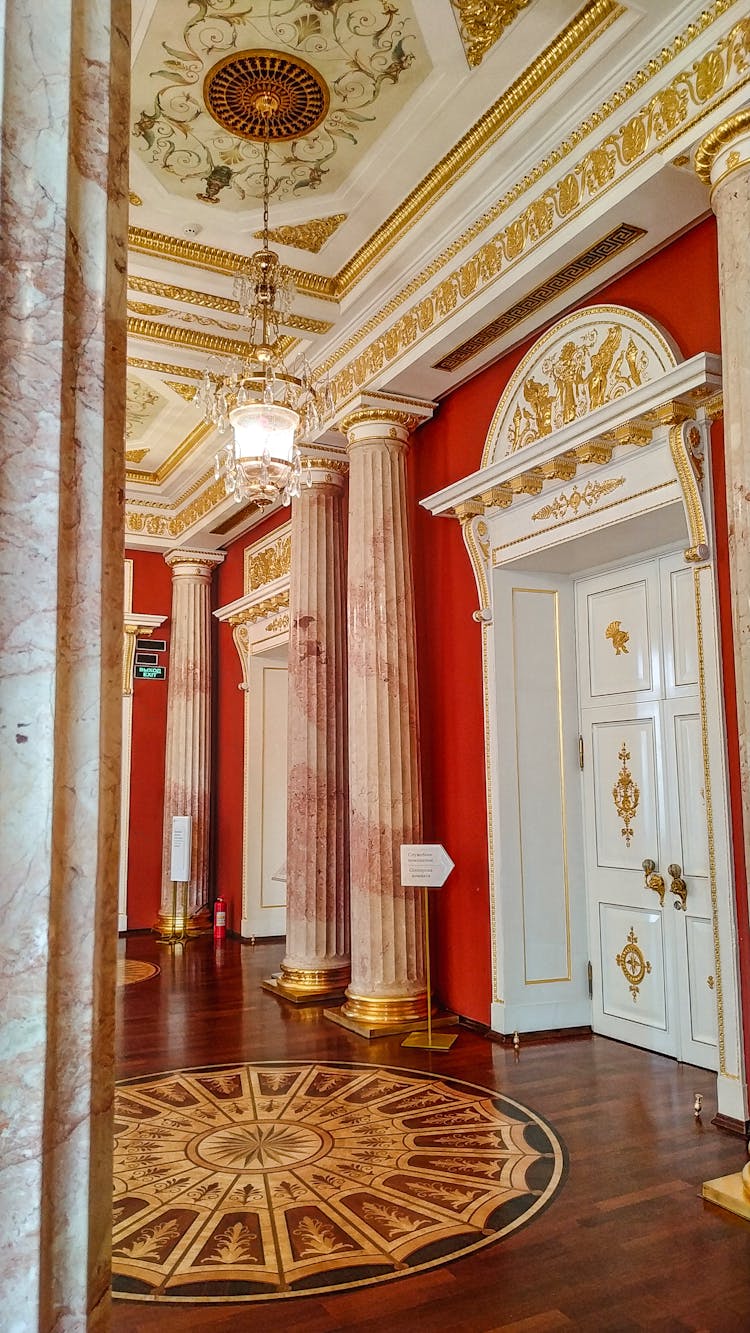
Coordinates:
[678,887]
[653,880]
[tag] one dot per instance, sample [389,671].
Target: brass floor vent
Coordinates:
[602,250]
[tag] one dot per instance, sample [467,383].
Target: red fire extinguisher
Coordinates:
[220,919]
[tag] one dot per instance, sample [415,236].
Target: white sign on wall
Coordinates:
[424,865]
[182,837]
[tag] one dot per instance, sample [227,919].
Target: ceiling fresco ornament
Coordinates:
[482,22]
[247,1182]
[310,236]
[666,115]
[366,54]
[142,406]
[584,361]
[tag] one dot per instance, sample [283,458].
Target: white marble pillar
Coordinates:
[723,161]
[316,964]
[387,986]
[187,766]
[63,233]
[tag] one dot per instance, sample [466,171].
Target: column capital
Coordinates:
[372,416]
[324,470]
[724,150]
[199,564]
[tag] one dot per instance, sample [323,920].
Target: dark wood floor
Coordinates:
[626,1244]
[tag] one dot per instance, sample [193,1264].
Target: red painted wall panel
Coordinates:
[152,595]
[678,288]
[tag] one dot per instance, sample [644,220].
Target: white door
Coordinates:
[264,911]
[646,840]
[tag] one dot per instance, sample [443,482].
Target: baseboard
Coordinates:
[137,930]
[253,940]
[732,1126]
[536,1038]
[473,1025]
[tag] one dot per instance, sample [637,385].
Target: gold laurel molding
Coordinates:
[664,117]
[169,291]
[717,140]
[214,260]
[205,342]
[165,368]
[482,22]
[186,446]
[310,235]
[574,39]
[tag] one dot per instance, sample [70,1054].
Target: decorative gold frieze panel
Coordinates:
[626,795]
[270,563]
[310,235]
[587,498]
[633,964]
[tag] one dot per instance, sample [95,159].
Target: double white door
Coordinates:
[643,745]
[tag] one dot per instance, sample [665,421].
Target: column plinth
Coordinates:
[723,161]
[316,963]
[387,988]
[187,767]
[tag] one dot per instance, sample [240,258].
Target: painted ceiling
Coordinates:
[478,166]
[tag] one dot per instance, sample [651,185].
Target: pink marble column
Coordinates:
[387,985]
[63,232]
[187,767]
[723,162]
[316,964]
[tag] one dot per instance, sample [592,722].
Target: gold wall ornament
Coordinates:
[186,391]
[587,498]
[626,795]
[310,235]
[633,965]
[277,625]
[270,563]
[135,199]
[135,455]
[618,637]
[482,22]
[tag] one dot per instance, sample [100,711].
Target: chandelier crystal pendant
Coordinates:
[269,408]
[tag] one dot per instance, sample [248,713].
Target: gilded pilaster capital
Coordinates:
[198,565]
[382,416]
[724,150]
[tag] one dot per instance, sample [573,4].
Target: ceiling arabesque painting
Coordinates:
[445,178]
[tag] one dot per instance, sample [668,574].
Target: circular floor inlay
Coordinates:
[130,970]
[246,1182]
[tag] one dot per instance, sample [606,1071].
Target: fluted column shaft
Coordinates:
[387,983]
[317,869]
[187,768]
[724,161]
[63,235]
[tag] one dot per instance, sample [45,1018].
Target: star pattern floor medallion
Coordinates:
[253,1181]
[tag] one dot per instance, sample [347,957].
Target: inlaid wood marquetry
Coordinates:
[243,1182]
[130,970]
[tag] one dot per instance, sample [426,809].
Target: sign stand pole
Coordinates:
[438,1041]
[179,874]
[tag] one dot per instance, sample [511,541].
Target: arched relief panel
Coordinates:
[585,361]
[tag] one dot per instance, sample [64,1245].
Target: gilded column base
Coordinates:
[309,985]
[169,924]
[730,1192]
[385,1016]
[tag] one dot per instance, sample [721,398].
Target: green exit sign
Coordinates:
[149,672]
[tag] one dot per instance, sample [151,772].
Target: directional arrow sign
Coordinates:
[425,865]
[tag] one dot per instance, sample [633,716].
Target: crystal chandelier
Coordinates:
[269,408]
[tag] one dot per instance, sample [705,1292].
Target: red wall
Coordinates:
[228,730]
[152,595]
[678,288]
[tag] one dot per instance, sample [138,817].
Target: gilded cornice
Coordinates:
[165,368]
[205,342]
[717,140]
[196,437]
[213,260]
[169,291]
[666,116]
[159,525]
[568,46]
[482,22]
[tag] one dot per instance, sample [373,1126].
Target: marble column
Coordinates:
[387,986]
[187,767]
[316,964]
[63,234]
[723,162]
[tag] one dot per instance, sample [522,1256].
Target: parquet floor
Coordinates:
[626,1244]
